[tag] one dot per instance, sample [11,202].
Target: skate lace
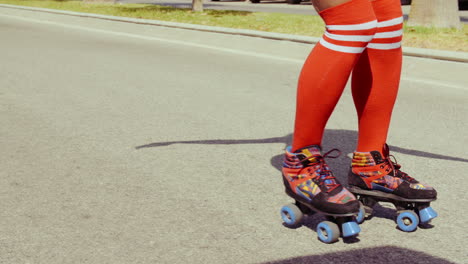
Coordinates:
[396,168]
[324,178]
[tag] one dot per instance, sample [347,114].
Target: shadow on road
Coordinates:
[388,254]
[345,140]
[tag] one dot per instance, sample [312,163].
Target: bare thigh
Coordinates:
[324,4]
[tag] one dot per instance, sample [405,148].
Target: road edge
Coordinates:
[456,56]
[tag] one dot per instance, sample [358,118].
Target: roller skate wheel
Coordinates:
[328,232]
[291,215]
[426,215]
[407,221]
[361,215]
[350,229]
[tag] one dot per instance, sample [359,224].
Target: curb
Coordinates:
[456,56]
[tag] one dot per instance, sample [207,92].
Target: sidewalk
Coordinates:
[407,51]
[305,8]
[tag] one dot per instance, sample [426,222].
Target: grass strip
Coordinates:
[433,38]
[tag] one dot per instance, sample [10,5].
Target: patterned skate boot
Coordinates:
[374,178]
[309,181]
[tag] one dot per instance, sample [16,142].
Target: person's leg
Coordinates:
[321,5]
[349,27]
[375,84]
[376,77]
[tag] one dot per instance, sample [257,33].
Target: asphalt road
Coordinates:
[126,143]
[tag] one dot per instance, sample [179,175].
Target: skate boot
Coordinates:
[375,178]
[309,181]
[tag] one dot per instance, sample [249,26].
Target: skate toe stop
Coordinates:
[427,214]
[350,229]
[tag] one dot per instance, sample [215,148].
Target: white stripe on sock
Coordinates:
[390,22]
[362,26]
[384,46]
[390,34]
[359,38]
[339,48]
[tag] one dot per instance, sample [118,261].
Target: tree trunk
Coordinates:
[197,5]
[434,13]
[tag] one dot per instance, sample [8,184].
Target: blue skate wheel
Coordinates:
[407,221]
[361,215]
[350,229]
[328,232]
[427,214]
[291,215]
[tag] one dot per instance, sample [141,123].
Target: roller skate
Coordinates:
[375,178]
[309,181]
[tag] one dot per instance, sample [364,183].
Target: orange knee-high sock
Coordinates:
[349,28]
[376,77]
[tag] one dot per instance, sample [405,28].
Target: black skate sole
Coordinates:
[383,196]
[303,202]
